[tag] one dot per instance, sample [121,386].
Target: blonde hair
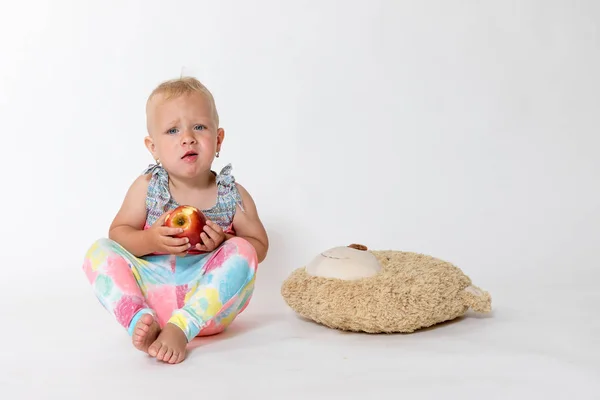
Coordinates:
[182,86]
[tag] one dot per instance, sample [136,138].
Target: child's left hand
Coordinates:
[212,237]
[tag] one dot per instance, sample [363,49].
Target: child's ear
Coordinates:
[220,138]
[150,146]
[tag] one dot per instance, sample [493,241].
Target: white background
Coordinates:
[461,129]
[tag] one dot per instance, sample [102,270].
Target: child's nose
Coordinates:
[187,138]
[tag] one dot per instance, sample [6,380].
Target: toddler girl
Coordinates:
[158,287]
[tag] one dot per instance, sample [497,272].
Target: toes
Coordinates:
[155,348]
[139,333]
[162,351]
[168,355]
[138,336]
[147,319]
[143,326]
[174,357]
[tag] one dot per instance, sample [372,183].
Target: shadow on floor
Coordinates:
[441,325]
[241,326]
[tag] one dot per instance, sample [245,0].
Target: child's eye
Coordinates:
[199,127]
[172,130]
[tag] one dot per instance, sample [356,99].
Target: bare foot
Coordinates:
[145,332]
[170,346]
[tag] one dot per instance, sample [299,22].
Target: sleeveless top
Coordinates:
[159,199]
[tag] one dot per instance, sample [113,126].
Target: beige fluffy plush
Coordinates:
[394,292]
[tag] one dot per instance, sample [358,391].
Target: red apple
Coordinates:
[190,219]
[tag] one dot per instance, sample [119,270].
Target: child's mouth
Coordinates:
[189,155]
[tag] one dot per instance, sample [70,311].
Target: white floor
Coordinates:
[535,345]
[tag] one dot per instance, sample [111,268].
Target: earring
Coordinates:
[217,154]
[157,161]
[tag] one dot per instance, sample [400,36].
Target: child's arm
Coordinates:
[127,228]
[248,225]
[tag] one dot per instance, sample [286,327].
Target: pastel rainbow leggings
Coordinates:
[200,293]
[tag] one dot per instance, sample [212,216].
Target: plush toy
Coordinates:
[355,289]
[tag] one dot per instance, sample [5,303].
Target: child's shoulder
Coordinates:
[226,180]
[229,184]
[143,179]
[140,184]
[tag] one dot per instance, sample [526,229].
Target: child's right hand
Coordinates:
[163,241]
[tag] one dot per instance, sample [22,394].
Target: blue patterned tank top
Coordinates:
[159,199]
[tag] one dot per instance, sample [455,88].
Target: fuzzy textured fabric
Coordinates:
[412,291]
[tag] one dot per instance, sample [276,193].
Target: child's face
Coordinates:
[179,126]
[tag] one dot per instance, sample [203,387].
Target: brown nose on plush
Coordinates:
[358,246]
